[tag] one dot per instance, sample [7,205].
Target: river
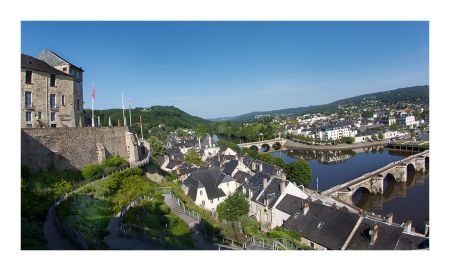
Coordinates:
[408,200]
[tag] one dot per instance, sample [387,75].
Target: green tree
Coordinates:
[156,147]
[394,127]
[193,157]
[299,172]
[374,137]
[347,140]
[233,207]
[380,136]
[367,114]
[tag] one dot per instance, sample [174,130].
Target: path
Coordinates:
[115,241]
[195,226]
[55,239]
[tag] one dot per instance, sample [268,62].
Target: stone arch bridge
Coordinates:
[267,144]
[374,181]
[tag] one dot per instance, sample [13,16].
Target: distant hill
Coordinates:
[408,94]
[167,117]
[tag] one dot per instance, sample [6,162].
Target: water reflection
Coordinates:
[406,200]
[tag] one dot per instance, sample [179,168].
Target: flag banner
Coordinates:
[93,91]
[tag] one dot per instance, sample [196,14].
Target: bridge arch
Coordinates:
[265,147]
[254,147]
[276,145]
[388,182]
[360,195]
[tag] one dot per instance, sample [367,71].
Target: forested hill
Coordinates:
[162,118]
[408,94]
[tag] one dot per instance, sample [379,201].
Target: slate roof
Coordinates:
[290,204]
[271,193]
[47,51]
[210,180]
[187,168]
[230,166]
[411,242]
[173,163]
[241,175]
[388,236]
[29,62]
[327,226]
[173,150]
[255,184]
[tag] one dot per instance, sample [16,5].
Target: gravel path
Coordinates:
[56,240]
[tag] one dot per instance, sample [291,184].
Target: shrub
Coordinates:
[61,187]
[233,207]
[93,171]
[114,161]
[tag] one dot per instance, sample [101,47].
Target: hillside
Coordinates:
[161,119]
[408,94]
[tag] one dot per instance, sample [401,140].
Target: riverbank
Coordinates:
[296,145]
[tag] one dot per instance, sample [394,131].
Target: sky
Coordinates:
[224,69]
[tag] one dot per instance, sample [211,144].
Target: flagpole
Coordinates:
[142,134]
[129,109]
[93,98]
[123,113]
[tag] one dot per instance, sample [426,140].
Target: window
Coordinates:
[27,99]
[53,125]
[64,69]
[53,101]
[27,116]
[40,115]
[28,77]
[53,116]
[53,80]
[201,192]
[63,100]
[203,203]
[78,104]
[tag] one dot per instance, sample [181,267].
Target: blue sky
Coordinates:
[221,69]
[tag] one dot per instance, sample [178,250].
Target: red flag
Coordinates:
[93,91]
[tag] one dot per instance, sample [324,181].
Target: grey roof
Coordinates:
[410,242]
[335,125]
[210,179]
[388,236]
[29,62]
[54,59]
[230,166]
[271,193]
[173,163]
[241,175]
[173,150]
[290,204]
[161,160]
[255,184]
[327,226]
[213,161]
[187,168]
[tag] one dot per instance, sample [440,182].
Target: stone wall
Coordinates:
[74,148]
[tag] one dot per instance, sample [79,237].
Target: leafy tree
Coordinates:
[367,114]
[374,137]
[233,207]
[380,136]
[157,148]
[193,157]
[348,140]
[299,172]
[394,127]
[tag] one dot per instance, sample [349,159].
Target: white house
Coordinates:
[209,187]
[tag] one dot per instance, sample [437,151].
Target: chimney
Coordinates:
[260,167]
[209,141]
[373,234]
[407,226]
[282,186]
[389,217]
[305,207]
[264,183]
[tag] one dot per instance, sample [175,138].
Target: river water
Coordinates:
[408,200]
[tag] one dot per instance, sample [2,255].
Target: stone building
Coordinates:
[51,91]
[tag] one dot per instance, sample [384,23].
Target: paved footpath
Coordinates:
[115,241]
[56,240]
[195,226]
